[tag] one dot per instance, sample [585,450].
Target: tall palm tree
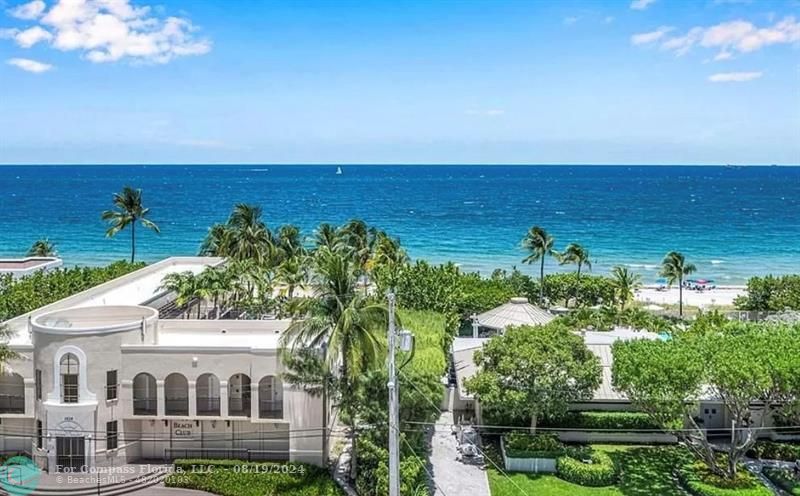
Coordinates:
[293,273]
[42,248]
[343,322]
[184,285]
[539,245]
[577,255]
[674,268]
[250,237]
[625,284]
[213,284]
[129,210]
[289,243]
[388,259]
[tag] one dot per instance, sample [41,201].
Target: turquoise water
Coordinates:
[732,223]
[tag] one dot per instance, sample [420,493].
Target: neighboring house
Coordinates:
[467,408]
[21,267]
[517,312]
[103,380]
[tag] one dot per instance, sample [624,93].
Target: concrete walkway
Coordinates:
[451,477]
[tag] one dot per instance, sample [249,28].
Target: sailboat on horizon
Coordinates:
[339,171]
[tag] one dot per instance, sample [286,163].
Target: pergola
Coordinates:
[516,312]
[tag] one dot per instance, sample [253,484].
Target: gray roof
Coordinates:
[516,312]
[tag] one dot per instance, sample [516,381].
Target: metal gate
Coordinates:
[70,455]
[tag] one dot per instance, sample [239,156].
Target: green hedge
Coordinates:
[698,481]
[240,478]
[604,420]
[769,450]
[523,445]
[783,479]
[601,470]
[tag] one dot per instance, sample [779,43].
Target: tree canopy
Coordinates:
[535,372]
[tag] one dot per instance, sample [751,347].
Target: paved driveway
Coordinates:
[452,477]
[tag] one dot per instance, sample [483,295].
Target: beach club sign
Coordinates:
[183,429]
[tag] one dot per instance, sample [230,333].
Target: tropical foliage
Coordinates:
[510,377]
[128,210]
[737,363]
[625,285]
[42,248]
[771,293]
[19,296]
[539,244]
[675,268]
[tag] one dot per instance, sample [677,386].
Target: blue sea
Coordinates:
[731,222]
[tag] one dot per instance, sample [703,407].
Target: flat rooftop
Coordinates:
[25,263]
[135,288]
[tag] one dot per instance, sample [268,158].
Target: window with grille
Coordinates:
[111,435]
[111,385]
[69,378]
[38,384]
[39,433]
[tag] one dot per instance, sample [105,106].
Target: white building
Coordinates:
[102,380]
[21,267]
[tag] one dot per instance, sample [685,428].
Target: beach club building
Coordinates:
[106,378]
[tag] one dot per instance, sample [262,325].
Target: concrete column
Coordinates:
[160,398]
[192,398]
[30,396]
[223,398]
[254,400]
[126,397]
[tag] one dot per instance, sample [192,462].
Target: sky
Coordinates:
[387,81]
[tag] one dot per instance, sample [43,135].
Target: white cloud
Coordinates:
[735,36]
[734,77]
[112,30]
[28,11]
[569,21]
[641,4]
[30,65]
[32,36]
[608,19]
[650,37]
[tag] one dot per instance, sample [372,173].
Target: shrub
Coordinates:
[604,420]
[522,445]
[769,450]
[771,293]
[599,471]
[240,478]
[697,479]
[783,479]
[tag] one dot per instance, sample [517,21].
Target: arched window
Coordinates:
[207,387]
[12,393]
[69,378]
[176,395]
[144,394]
[239,395]
[270,398]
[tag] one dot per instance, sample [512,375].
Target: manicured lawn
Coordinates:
[644,471]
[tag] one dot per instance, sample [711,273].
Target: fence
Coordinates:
[226,454]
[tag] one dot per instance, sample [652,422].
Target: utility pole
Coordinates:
[394,408]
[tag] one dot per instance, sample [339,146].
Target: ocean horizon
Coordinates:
[732,222]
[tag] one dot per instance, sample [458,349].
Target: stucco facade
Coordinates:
[106,384]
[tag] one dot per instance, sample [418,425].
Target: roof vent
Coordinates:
[519,299]
[224,331]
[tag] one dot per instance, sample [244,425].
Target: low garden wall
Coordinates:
[535,465]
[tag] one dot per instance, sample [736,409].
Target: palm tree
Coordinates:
[213,284]
[326,235]
[250,237]
[128,211]
[539,244]
[289,243]
[184,285]
[625,284]
[6,354]
[293,273]
[42,248]
[344,323]
[388,258]
[577,255]
[674,268]
[217,242]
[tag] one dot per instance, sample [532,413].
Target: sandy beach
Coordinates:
[721,296]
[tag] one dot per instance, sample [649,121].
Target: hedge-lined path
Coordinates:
[451,477]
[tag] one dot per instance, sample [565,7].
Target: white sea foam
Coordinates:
[717,262]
